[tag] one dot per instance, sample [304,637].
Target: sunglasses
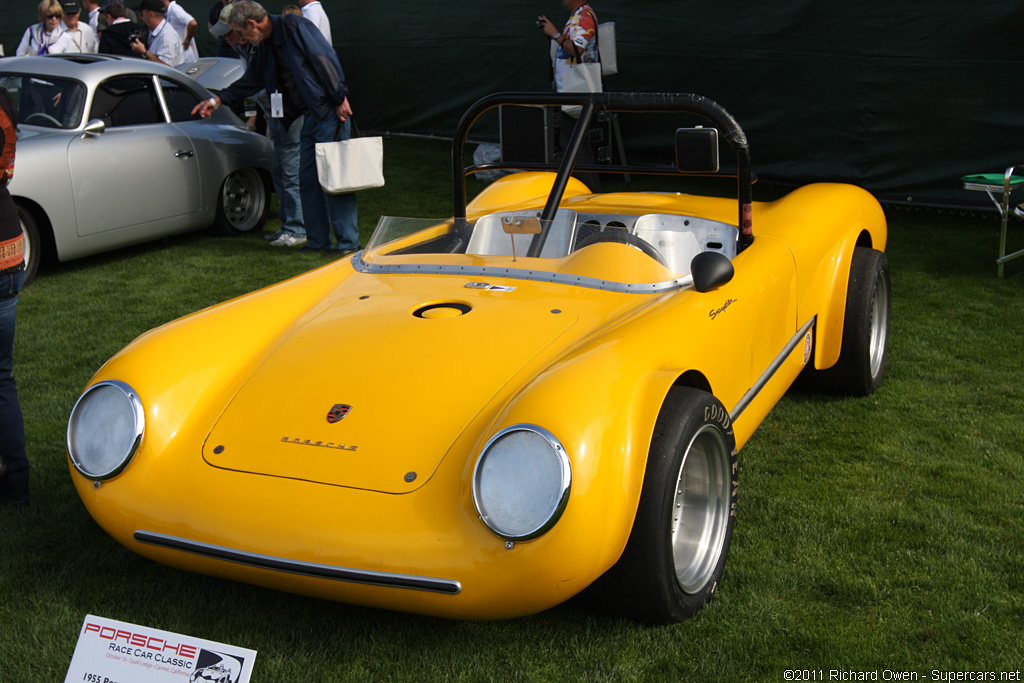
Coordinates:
[54,16]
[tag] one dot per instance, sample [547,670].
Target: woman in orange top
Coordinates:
[13,460]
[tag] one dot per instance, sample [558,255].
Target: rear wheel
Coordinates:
[858,371]
[680,540]
[243,204]
[33,245]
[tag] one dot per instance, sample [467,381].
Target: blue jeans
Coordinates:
[285,174]
[14,485]
[324,213]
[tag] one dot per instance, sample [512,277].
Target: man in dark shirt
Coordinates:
[116,38]
[301,73]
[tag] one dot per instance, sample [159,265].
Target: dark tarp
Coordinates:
[901,98]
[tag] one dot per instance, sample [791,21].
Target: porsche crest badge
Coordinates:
[338,412]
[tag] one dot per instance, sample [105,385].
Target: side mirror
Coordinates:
[520,225]
[94,128]
[697,150]
[710,269]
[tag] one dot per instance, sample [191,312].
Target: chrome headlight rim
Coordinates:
[562,487]
[136,412]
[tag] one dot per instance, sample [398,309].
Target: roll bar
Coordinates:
[591,103]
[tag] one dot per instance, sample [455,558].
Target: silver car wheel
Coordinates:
[700,509]
[879,325]
[243,200]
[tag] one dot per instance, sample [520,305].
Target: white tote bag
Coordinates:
[580,78]
[350,165]
[607,49]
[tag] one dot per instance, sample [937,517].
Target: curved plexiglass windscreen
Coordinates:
[616,251]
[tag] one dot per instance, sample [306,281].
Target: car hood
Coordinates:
[373,391]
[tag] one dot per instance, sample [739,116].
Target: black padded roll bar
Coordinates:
[687,103]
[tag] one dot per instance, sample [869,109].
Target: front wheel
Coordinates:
[680,540]
[243,204]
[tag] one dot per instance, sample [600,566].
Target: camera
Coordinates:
[137,35]
[540,24]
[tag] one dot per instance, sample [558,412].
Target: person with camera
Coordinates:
[576,43]
[14,466]
[164,42]
[117,38]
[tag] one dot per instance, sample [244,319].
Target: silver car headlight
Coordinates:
[105,429]
[521,482]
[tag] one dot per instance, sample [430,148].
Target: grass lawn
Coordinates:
[875,535]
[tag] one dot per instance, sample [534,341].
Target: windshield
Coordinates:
[546,225]
[46,101]
[645,252]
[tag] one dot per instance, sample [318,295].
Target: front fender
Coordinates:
[601,400]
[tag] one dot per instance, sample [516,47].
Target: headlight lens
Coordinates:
[105,429]
[521,482]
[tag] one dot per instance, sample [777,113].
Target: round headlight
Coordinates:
[521,482]
[105,429]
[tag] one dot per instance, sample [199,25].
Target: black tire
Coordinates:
[672,563]
[620,236]
[243,204]
[33,244]
[858,372]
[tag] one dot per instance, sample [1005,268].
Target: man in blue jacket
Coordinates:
[300,71]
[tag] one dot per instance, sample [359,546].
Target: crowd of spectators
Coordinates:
[62,29]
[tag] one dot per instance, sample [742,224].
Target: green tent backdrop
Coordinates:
[901,98]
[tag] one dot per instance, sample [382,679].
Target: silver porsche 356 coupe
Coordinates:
[109,155]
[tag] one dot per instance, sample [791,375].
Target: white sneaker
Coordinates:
[288,240]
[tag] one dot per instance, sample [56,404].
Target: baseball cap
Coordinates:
[71,7]
[152,6]
[223,25]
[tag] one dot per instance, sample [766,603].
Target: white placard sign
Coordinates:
[111,651]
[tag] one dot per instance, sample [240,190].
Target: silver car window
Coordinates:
[127,101]
[46,101]
[180,100]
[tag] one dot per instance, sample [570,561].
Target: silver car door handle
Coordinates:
[184,153]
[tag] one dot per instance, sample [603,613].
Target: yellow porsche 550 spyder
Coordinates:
[551,390]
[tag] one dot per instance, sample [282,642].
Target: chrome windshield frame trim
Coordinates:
[360,265]
[312,569]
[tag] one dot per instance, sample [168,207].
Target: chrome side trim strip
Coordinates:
[516,274]
[772,369]
[313,569]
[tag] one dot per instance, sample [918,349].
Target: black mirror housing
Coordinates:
[697,150]
[710,269]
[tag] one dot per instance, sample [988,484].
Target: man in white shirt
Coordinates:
[314,11]
[164,43]
[185,25]
[92,7]
[81,37]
